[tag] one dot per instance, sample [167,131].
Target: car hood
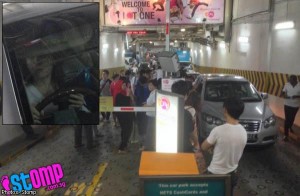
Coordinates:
[252,111]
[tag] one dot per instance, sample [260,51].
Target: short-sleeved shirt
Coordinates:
[292,91]
[229,142]
[105,87]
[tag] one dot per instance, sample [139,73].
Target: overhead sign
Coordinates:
[136,32]
[143,12]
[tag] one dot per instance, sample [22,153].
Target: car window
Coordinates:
[57,58]
[220,90]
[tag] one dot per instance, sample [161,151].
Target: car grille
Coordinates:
[250,126]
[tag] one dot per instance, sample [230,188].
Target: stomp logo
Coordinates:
[164,103]
[48,176]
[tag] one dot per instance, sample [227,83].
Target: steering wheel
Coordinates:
[60,93]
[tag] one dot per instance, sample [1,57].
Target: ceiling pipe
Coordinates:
[227,20]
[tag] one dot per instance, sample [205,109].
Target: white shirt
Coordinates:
[159,73]
[229,142]
[150,101]
[134,69]
[35,96]
[292,91]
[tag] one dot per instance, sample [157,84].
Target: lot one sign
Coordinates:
[153,12]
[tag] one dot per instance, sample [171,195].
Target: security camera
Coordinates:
[204,20]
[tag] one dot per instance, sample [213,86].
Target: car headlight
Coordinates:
[271,121]
[212,119]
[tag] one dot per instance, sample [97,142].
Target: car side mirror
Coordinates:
[264,95]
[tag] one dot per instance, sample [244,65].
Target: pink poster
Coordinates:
[153,12]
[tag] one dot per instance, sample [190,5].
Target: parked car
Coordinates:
[257,118]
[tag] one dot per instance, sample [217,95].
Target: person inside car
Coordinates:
[40,80]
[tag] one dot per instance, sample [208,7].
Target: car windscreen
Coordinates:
[54,60]
[218,91]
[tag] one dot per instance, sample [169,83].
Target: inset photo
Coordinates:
[51,63]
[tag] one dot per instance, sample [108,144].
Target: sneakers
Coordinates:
[99,135]
[285,138]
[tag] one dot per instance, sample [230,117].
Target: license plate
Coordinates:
[251,137]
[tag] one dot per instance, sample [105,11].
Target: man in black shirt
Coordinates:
[182,88]
[124,98]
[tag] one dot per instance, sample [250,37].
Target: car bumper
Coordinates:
[264,136]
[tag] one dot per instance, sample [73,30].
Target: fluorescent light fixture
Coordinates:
[105,46]
[243,39]
[172,43]
[150,42]
[285,25]
[222,45]
[182,30]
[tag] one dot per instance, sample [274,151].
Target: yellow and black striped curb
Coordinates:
[269,82]
[7,159]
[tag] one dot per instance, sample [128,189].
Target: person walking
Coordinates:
[291,94]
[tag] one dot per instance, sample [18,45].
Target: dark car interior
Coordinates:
[71,39]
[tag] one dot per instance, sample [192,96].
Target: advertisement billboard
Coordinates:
[153,12]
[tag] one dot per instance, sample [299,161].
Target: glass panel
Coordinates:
[57,55]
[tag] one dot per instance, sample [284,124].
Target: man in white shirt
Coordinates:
[291,93]
[227,141]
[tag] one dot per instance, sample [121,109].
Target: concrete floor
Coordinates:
[272,170]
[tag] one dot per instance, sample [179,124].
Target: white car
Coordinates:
[257,118]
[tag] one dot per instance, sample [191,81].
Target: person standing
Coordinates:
[115,88]
[149,142]
[124,98]
[227,141]
[88,129]
[105,91]
[291,93]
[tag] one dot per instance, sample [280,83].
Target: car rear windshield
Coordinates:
[218,91]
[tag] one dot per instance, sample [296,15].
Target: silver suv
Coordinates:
[257,118]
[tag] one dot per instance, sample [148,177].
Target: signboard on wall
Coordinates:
[166,83]
[153,12]
[183,56]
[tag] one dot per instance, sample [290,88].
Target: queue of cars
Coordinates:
[257,118]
